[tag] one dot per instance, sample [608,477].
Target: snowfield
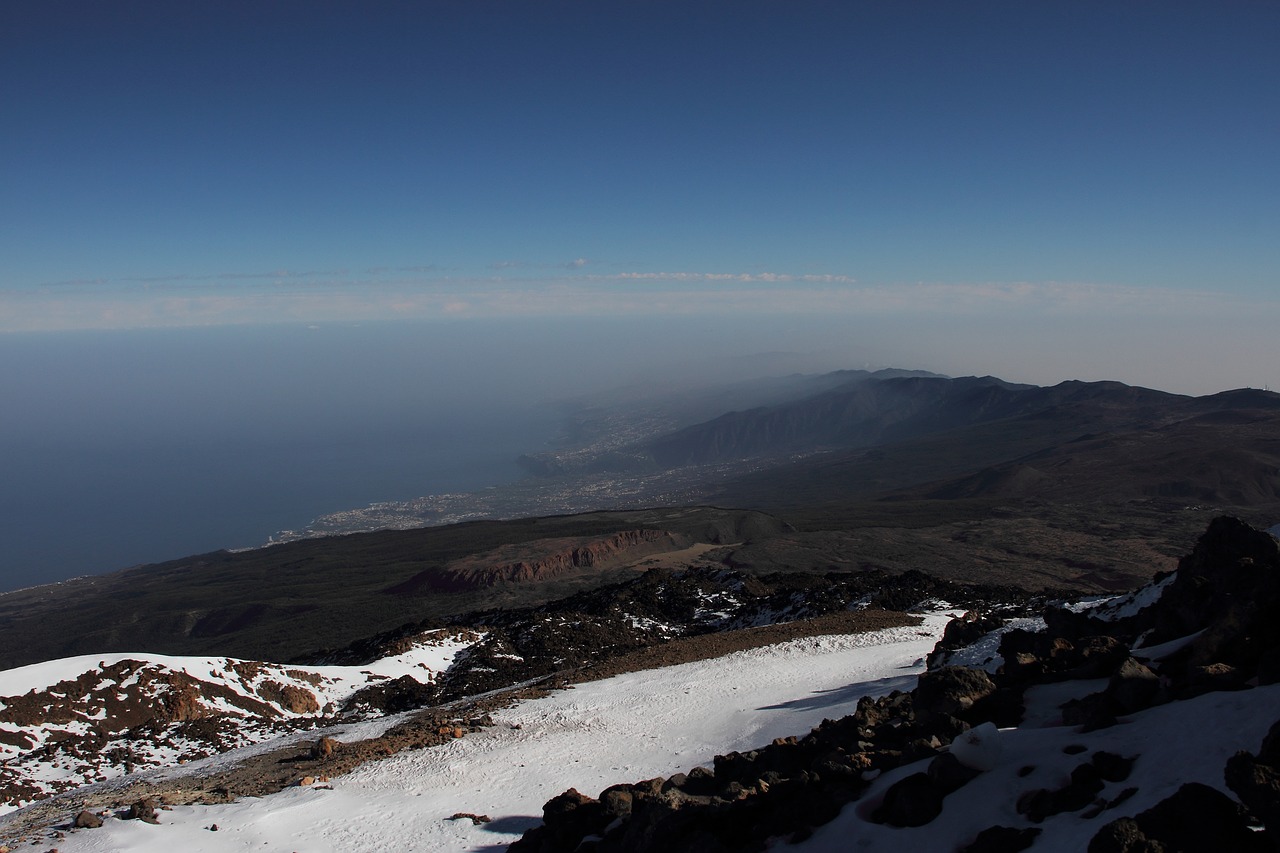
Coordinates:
[622,729]
[1188,741]
[75,694]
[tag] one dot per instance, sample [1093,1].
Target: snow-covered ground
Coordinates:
[622,729]
[331,682]
[1176,743]
[48,710]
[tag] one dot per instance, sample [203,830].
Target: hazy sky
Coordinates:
[1041,190]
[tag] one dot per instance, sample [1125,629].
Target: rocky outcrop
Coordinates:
[131,714]
[1255,779]
[1228,588]
[1196,819]
[543,560]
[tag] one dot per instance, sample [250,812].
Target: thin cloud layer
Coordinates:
[385,293]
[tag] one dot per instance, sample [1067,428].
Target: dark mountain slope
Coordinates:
[871,411]
[280,602]
[861,413]
[1178,444]
[1229,458]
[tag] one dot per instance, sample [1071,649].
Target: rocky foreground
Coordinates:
[1209,629]
[92,732]
[1083,701]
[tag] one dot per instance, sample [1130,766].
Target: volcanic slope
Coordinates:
[283,601]
[1144,722]
[1018,734]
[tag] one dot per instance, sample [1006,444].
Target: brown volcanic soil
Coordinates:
[274,771]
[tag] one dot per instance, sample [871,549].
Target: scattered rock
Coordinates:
[1080,792]
[87,820]
[476,819]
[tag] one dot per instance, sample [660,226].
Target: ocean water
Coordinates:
[124,448]
[130,447]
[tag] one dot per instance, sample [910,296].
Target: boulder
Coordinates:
[1256,779]
[1133,688]
[143,810]
[960,632]
[912,801]
[951,690]
[1196,819]
[950,773]
[325,748]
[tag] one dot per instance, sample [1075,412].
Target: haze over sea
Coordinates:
[141,446]
[144,445]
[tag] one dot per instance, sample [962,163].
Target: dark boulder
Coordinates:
[1256,780]
[950,775]
[1196,819]
[143,810]
[1002,839]
[1133,688]
[566,820]
[912,801]
[952,690]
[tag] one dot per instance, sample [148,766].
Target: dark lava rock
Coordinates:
[1196,819]
[1049,656]
[87,820]
[961,632]
[566,820]
[1215,676]
[143,810]
[951,690]
[1256,779]
[394,696]
[1002,839]
[1084,787]
[1112,767]
[1133,687]
[949,773]
[912,801]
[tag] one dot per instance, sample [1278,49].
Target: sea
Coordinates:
[120,448]
[123,448]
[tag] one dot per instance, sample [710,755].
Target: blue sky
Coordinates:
[1040,163]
